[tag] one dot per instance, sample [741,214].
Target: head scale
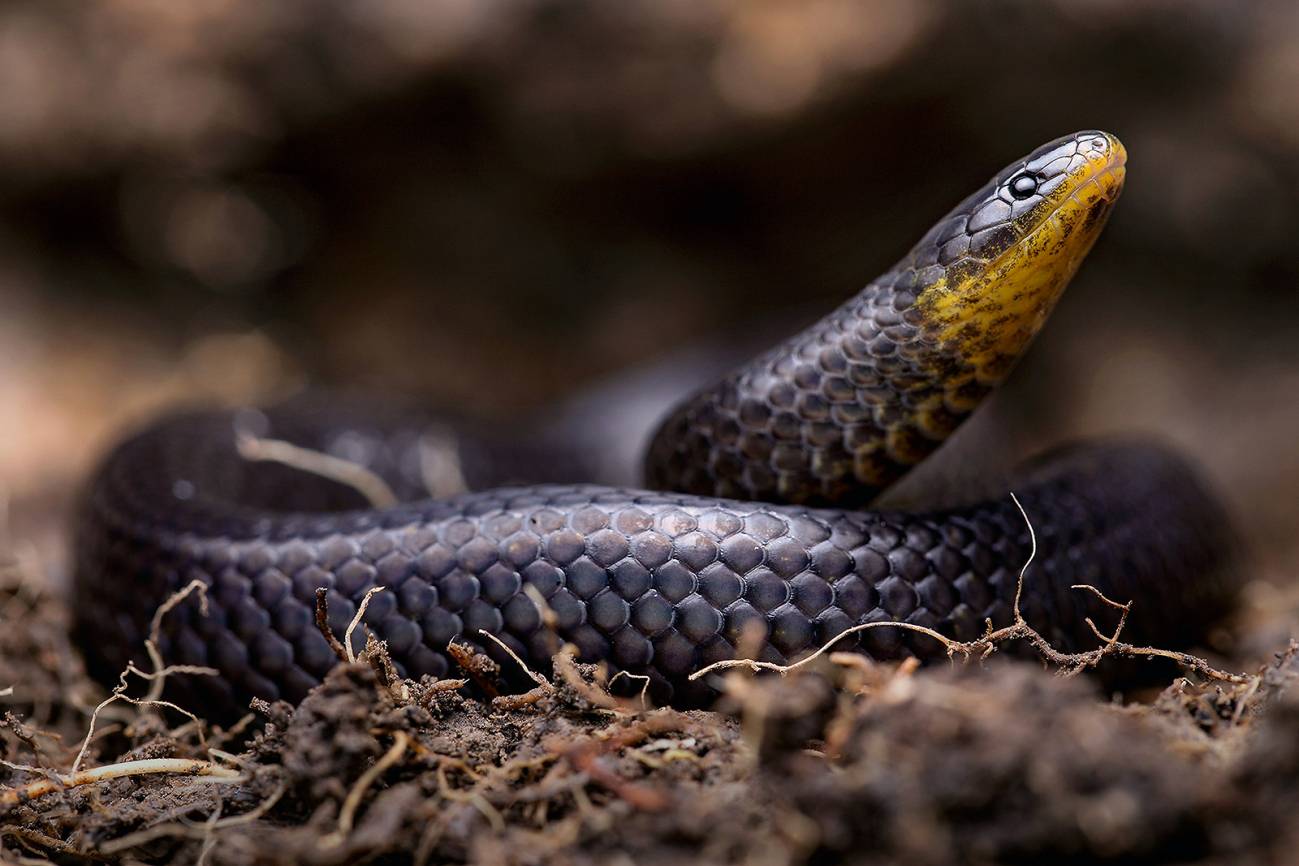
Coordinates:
[989,273]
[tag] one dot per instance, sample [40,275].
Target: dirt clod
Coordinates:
[844,761]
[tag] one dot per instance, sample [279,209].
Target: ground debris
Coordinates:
[846,763]
[842,760]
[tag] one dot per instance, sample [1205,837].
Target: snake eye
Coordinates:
[1023,186]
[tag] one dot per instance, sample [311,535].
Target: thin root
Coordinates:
[362,480]
[347,815]
[1069,664]
[185,766]
[356,621]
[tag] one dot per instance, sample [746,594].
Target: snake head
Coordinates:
[991,271]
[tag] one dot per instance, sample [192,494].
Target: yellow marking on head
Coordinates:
[988,313]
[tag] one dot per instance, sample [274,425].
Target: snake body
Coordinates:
[755,531]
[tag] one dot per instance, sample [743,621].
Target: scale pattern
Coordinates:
[652,583]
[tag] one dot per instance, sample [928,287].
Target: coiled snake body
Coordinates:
[755,526]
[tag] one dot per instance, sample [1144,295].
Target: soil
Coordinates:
[999,761]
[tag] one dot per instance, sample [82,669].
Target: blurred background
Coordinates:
[493,205]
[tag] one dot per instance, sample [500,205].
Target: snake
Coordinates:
[752,535]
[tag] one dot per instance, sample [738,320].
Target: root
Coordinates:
[157,677]
[347,815]
[644,689]
[478,667]
[537,678]
[375,490]
[566,670]
[1068,664]
[356,620]
[184,766]
[322,625]
[584,756]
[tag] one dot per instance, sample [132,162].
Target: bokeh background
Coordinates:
[494,204]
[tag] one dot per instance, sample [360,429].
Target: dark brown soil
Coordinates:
[847,762]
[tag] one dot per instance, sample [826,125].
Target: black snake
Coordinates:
[753,529]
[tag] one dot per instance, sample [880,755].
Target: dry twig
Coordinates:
[356,620]
[644,689]
[322,624]
[185,766]
[347,815]
[157,678]
[1069,664]
[536,677]
[375,490]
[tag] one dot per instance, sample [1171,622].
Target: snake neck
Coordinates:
[834,415]
[844,409]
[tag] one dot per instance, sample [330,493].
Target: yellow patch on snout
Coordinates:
[987,313]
